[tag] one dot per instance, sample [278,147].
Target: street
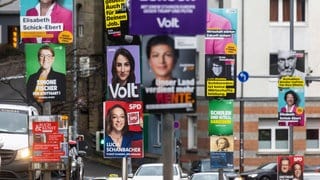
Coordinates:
[97,169]
[94,169]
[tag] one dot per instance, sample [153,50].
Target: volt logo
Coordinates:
[168,23]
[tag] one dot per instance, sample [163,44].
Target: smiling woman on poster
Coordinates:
[123,83]
[61,21]
[46,84]
[292,113]
[119,138]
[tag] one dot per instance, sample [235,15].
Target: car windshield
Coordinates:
[13,121]
[153,171]
[206,165]
[267,166]
[205,177]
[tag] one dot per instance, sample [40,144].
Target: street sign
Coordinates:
[243,76]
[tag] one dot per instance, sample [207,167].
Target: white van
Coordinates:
[14,147]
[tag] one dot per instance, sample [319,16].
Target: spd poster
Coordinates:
[123,129]
[290,167]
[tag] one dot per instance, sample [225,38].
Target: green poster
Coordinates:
[220,117]
[45,72]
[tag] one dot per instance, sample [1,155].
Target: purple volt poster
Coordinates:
[168,17]
[123,68]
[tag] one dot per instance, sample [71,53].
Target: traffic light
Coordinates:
[99,141]
[14,36]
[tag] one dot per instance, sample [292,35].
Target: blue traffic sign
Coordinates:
[243,76]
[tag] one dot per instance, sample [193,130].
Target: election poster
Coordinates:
[123,69]
[220,117]
[220,76]
[167,17]
[54,25]
[45,72]
[123,129]
[287,63]
[221,34]
[48,137]
[116,18]
[291,101]
[168,68]
[290,167]
[221,53]
[221,160]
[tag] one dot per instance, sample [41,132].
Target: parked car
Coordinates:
[311,176]
[266,171]
[207,176]
[203,165]
[314,168]
[154,171]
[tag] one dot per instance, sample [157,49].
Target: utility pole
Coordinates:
[167,140]
[47,111]
[75,71]
[291,49]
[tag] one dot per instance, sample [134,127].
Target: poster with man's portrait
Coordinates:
[290,167]
[221,151]
[45,72]
[287,63]
[123,69]
[221,143]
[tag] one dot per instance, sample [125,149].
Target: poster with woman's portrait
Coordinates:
[45,72]
[46,21]
[221,34]
[220,76]
[291,107]
[123,129]
[168,73]
[123,69]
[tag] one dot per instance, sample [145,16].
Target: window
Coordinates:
[192,132]
[280,10]
[312,135]
[273,137]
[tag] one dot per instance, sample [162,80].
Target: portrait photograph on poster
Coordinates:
[45,72]
[221,34]
[123,69]
[291,107]
[46,21]
[168,75]
[287,63]
[220,76]
[123,129]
